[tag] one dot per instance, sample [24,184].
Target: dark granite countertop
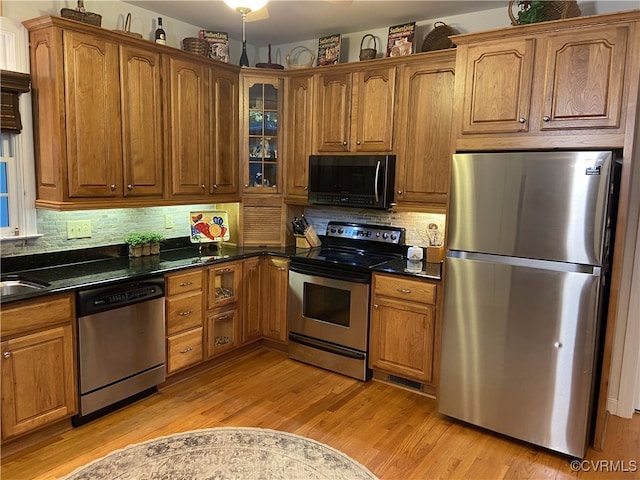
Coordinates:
[86,271]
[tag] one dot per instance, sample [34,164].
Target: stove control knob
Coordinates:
[385,235]
[378,234]
[393,237]
[340,231]
[333,230]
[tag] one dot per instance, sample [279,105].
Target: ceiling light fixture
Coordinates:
[244,7]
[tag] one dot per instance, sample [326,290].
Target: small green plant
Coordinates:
[154,237]
[135,239]
[531,11]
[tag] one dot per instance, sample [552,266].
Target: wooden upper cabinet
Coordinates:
[354,111]
[189,138]
[497,86]
[92,106]
[548,85]
[424,121]
[223,132]
[299,119]
[584,78]
[141,121]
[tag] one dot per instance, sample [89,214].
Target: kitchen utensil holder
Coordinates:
[301,241]
[312,237]
[368,53]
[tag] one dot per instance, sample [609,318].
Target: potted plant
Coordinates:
[135,242]
[154,240]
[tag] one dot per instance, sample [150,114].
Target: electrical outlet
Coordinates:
[78,229]
[168,221]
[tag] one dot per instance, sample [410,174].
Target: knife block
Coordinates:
[312,237]
[301,241]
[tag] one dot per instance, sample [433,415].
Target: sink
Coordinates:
[18,285]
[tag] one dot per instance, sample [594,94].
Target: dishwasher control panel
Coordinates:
[112,296]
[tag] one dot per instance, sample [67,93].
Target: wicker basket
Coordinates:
[127,28]
[299,50]
[438,38]
[368,53]
[79,14]
[199,46]
[553,10]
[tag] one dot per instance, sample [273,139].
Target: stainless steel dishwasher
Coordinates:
[121,344]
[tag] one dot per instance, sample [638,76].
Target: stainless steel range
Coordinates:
[329,296]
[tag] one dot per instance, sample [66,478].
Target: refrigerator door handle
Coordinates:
[595,270]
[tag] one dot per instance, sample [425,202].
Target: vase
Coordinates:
[135,250]
[155,248]
[146,249]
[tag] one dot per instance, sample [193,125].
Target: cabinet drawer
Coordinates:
[406,289]
[184,349]
[20,317]
[184,282]
[184,312]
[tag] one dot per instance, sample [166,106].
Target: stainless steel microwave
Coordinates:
[365,181]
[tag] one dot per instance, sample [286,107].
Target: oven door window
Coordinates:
[328,304]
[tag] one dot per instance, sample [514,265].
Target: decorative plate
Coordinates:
[209,226]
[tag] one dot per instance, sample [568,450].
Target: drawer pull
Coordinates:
[225,270]
[226,317]
[404,290]
[184,314]
[186,284]
[186,350]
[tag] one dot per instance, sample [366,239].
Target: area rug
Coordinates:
[225,453]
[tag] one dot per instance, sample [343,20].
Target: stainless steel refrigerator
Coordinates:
[528,243]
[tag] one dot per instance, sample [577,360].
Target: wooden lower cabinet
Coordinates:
[403,324]
[252,301]
[38,364]
[223,330]
[184,317]
[275,293]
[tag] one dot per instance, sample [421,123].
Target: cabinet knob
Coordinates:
[203,187]
[246,185]
[6,354]
[546,118]
[306,188]
[375,305]
[522,120]
[215,186]
[113,187]
[282,269]
[130,187]
[344,143]
[357,142]
[399,192]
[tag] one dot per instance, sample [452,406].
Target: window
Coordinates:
[17,166]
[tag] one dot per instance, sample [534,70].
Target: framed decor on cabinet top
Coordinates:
[401,39]
[329,49]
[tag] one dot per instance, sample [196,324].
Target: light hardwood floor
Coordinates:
[397,434]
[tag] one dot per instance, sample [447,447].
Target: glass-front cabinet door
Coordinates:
[262,138]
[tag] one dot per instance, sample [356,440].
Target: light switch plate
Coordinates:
[78,229]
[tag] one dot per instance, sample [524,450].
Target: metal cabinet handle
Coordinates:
[357,142]
[188,349]
[375,305]
[226,317]
[344,143]
[6,354]
[399,192]
[522,120]
[282,269]
[546,118]
[130,187]
[215,186]
[246,185]
[113,187]
[203,186]
[225,270]
[306,188]
[403,290]
[184,314]
[186,284]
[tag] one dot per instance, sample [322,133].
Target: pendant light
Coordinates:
[245,7]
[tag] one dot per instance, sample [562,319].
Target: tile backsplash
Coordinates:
[110,226]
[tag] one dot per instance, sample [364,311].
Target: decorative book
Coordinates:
[218,44]
[329,49]
[401,40]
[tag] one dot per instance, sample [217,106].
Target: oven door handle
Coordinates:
[336,349]
[336,273]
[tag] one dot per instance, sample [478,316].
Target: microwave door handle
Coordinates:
[375,182]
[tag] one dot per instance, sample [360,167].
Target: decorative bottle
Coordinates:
[161,36]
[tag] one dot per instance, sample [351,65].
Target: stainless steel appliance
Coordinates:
[121,344]
[525,289]
[364,181]
[329,294]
